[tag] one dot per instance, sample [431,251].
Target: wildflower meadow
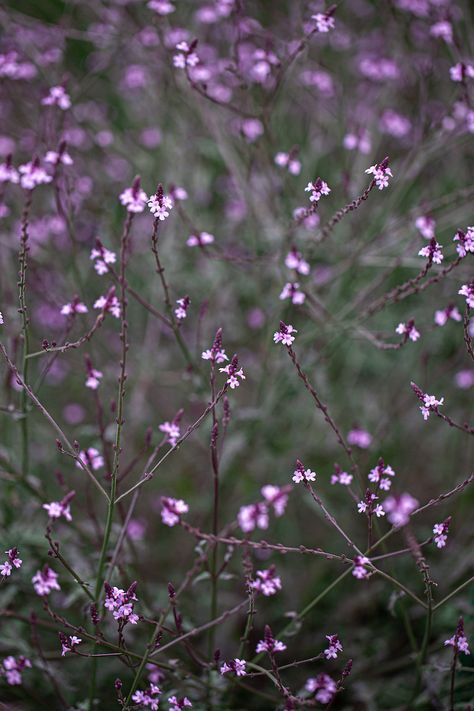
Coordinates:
[236,355]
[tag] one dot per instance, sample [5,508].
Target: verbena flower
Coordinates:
[440,531]
[368,505]
[432,251]
[32,175]
[74,307]
[216,353]
[182,310]
[284,335]
[295,261]
[91,458]
[467,290]
[134,198]
[426,224]
[324,21]
[341,477]
[459,640]
[289,161]
[13,561]
[234,373]
[179,704]
[359,437]
[172,510]
[172,429]
[237,666]
[323,687]
[291,291]
[12,669]
[360,570]
[253,516]
[465,241]
[381,173]
[185,56]
[162,7]
[269,644]
[160,204]
[409,330]
[276,497]
[8,173]
[334,646]
[56,509]
[399,508]
[57,96]
[429,402]
[379,475]
[148,698]
[461,71]
[451,311]
[45,581]
[201,239]
[102,257]
[68,643]
[109,303]
[317,190]
[301,474]
[94,376]
[267,582]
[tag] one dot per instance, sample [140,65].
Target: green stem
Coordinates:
[25,333]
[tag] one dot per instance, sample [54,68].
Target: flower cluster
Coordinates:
[381,173]
[12,668]
[32,175]
[440,531]
[109,304]
[324,21]
[61,156]
[289,161]
[12,562]
[379,475]
[360,570]
[461,71]
[121,603]
[160,204]
[172,429]
[359,438]
[450,312]
[200,239]
[8,173]
[368,505]
[253,516]
[432,251]
[317,190]
[408,330]
[334,647]
[179,704]
[182,310]
[341,477]
[301,474]
[91,458]
[102,257]
[465,241]
[148,698]
[234,373]
[172,510]
[237,666]
[134,198]
[76,306]
[268,582]
[186,56]
[57,96]
[426,224]
[467,290]
[459,640]
[399,508]
[323,686]
[284,334]
[291,291]
[269,644]
[429,402]
[68,643]
[216,354]
[94,376]
[56,509]
[294,260]
[45,581]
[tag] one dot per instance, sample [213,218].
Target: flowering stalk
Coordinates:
[23,260]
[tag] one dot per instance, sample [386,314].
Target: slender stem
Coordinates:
[23,260]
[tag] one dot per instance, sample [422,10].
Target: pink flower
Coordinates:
[160,204]
[426,226]
[360,570]
[12,562]
[408,330]
[67,645]
[134,198]
[60,156]
[358,141]
[291,291]
[91,458]
[55,509]
[399,508]
[369,506]
[432,251]
[317,190]
[381,173]
[121,603]
[467,290]
[460,72]
[440,531]
[45,580]
[268,582]
[94,376]
[284,335]
[301,474]
[109,304]
[234,373]
[379,475]
[172,510]
[201,239]
[32,174]
[295,261]
[179,704]
[253,516]
[216,354]
[162,7]
[323,686]
[186,57]
[442,30]
[8,174]
[360,438]
[465,241]
[237,666]
[276,496]
[57,97]
[269,644]
[12,669]
[74,307]
[289,161]
[324,21]
[183,305]
[451,311]
[340,477]
[102,257]
[334,647]
[172,429]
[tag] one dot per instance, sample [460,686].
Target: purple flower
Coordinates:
[399,508]
[45,581]
[284,335]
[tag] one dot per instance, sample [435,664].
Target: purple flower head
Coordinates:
[381,173]
[237,666]
[440,531]
[267,582]
[172,510]
[432,251]
[399,508]
[301,474]
[269,644]
[459,640]
[45,581]
[284,335]
[323,687]
[134,198]
[234,373]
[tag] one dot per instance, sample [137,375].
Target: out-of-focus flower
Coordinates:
[324,21]
[32,175]
[467,290]
[289,161]
[91,458]
[45,581]
[8,173]
[172,429]
[56,509]
[134,198]
[162,7]
[269,644]
[341,477]
[399,508]
[74,307]
[360,438]
[451,311]
[461,71]
[172,510]
[426,226]
[358,141]
[185,57]
[109,304]
[253,516]
[276,497]
[323,687]
[360,570]
[295,261]
[201,239]
[12,668]
[291,291]
[442,30]
[57,97]
[179,704]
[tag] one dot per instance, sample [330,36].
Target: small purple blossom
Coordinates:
[267,582]
[56,509]
[467,290]
[12,562]
[440,531]
[284,335]
[237,666]
[408,330]
[323,686]
[294,260]
[45,581]
[334,646]
[301,474]
[269,644]
[381,173]
[399,508]
[172,510]
[432,251]
[291,291]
